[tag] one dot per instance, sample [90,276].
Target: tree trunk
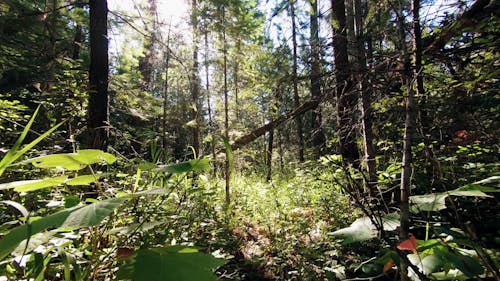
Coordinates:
[227,175]
[364,97]
[317,137]
[346,98]
[244,140]
[195,81]
[296,99]
[165,95]
[405,184]
[98,108]
[77,42]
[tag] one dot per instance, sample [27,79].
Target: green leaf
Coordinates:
[92,214]
[74,217]
[72,161]
[428,202]
[14,153]
[493,179]
[430,264]
[85,179]
[31,185]
[361,229]
[391,221]
[179,263]
[466,264]
[200,164]
[475,186]
[472,193]
[16,206]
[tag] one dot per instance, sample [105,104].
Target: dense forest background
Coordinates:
[249,140]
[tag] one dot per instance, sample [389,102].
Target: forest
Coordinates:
[249,140]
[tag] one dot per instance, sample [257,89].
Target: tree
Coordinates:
[195,80]
[98,107]
[296,98]
[318,137]
[346,98]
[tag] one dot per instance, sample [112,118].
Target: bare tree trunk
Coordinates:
[98,108]
[346,98]
[195,81]
[146,63]
[405,184]
[77,42]
[165,95]
[364,97]
[227,175]
[318,137]
[296,98]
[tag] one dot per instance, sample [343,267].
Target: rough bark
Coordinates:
[317,137]
[364,98]
[346,98]
[165,95]
[227,171]
[98,108]
[195,81]
[404,187]
[296,98]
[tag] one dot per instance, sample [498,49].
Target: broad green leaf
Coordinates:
[475,186]
[31,185]
[16,206]
[361,229]
[72,161]
[430,264]
[428,202]
[472,193]
[14,153]
[391,221]
[199,164]
[490,180]
[85,179]
[76,217]
[466,264]
[179,263]
[92,214]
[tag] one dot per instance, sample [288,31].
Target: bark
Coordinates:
[195,81]
[146,63]
[346,98]
[98,108]
[227,171]
[165,95]
[364,98]
[296,98]
[254,134]
[405,184]
[77,42]
[317,137]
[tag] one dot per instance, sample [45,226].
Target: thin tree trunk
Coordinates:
[77,42]
[346,98]
[318,137]
[98,108]
[227,175]
[404,188]
[209,106]
[195,81]
[296,98]
[365,103]
[165,95]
